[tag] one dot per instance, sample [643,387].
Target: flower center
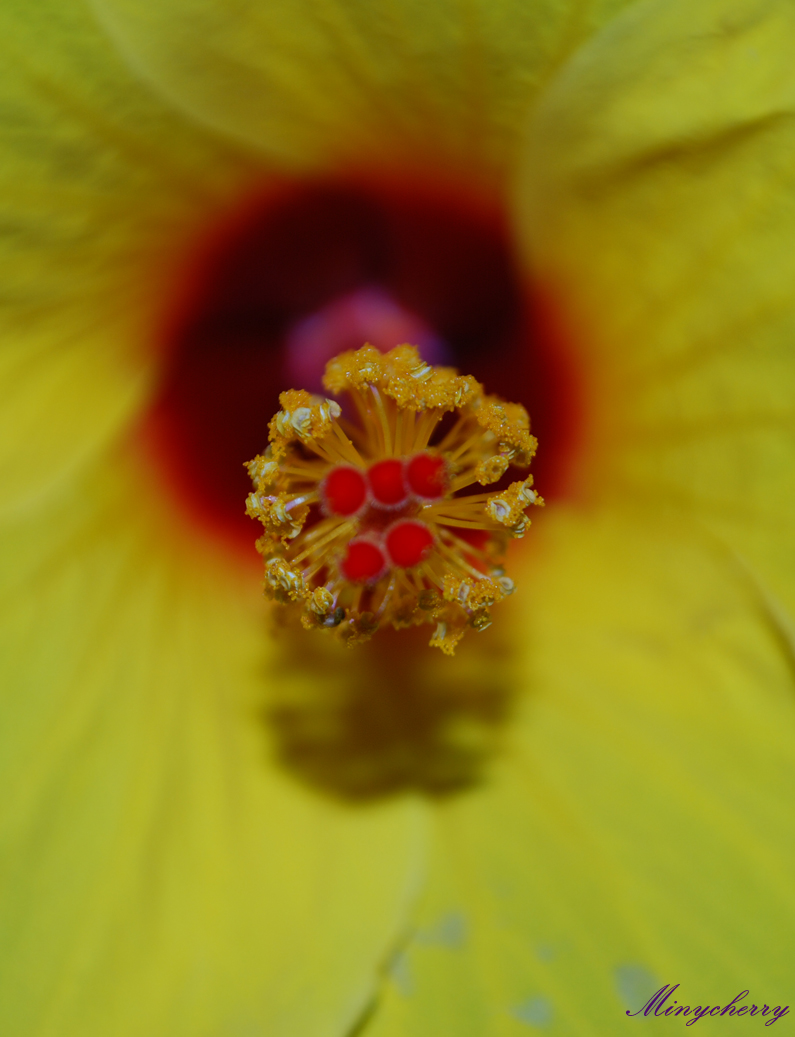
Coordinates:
[309,270]
[369,511]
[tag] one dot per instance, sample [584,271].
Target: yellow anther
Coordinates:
[510,424]
[519,528]
[446,636]
[457,588]
[507,508]
[473,593]
[281,515]
[263,471]
[322,601]
[353,369]
[329,409]
[492,469]
[481,620]
[429,599]
[281,580]
[500,510]
[402,376]
[301,421]
[507,586]
[303,417]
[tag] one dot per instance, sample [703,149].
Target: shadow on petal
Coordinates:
[389,716]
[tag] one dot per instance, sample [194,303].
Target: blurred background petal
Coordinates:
[355,81]
[101,187]
[165,877]
[659,199]
[639,828]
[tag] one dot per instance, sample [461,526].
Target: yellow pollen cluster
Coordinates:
[368,505]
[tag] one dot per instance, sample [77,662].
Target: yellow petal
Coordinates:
[639,829]
[359,82]
[160,876]
[99,194]
[658,205]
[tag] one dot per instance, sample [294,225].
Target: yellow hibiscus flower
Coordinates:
[176,864]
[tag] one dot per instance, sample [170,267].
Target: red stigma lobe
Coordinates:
[408,543]
[387,482]
[427,476]
[344,491]
[364,561]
